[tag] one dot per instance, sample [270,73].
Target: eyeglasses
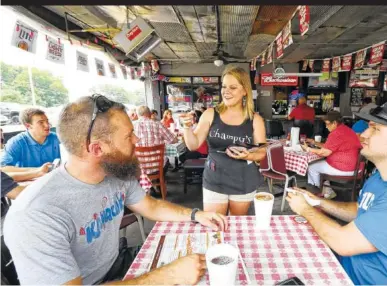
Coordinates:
[101,105]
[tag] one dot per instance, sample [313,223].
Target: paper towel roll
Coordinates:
[295,136]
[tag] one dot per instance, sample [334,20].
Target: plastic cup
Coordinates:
[317,138]
[263,204]
[222,264]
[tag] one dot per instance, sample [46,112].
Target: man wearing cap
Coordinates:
[362,243]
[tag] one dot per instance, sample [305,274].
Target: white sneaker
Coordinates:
[329,193]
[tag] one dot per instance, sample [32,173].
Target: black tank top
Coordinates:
[223,174]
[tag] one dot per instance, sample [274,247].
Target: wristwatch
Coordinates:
[193,213]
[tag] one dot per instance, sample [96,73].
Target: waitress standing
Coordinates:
[230,177]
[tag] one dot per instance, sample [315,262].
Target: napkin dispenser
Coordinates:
[295,136]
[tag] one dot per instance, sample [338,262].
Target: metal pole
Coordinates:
[31,85]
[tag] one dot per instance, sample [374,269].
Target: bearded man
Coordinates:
[65,229]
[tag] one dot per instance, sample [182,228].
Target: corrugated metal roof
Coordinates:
[190,32]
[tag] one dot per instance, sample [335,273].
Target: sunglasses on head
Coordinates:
[101,105]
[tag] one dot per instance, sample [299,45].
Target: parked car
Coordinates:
[3,119]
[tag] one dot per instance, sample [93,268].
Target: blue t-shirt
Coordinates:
[371,220]
[360,126]
[23,151]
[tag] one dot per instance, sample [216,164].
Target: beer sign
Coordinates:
[24,37]
[267,79]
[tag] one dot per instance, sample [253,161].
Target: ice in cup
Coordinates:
[263,204]
[222,264]
[317,138]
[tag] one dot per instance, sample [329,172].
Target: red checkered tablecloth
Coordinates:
[145,182]
[298,162]
[287,249]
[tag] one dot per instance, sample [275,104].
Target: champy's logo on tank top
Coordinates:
[93,229]
[224,136]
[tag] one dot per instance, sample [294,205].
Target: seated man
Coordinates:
[34,147]
[341,151]
[65,228]
[362,243]
[154,114]
[152,133]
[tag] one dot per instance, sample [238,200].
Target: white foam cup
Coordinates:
[222,275]
[263,210]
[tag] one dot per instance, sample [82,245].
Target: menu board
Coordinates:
[357,95]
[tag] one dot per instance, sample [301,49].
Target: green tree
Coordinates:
[15,85]
[119,94]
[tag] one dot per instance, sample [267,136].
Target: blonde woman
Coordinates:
[167,118]
[230,176]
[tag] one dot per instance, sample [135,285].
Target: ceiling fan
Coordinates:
[224,57]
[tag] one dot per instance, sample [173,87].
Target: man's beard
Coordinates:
[120,165]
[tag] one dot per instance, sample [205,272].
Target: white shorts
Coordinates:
[210,197]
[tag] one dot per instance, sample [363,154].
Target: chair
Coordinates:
[130,218]
[356,179]
[274,128]
[273,168]
[320,128]
[306,127]
[193,168]
[151,158]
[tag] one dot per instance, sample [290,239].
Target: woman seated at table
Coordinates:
[167,118]
[341,151]
[230,177]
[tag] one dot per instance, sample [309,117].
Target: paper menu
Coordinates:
[173,246]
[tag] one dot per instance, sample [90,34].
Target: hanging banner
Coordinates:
[383,66]
[112,68]
[24,37]
[100,67]
[280,50]
[304,65]
[287,38]
[124,72]
[311,65]
[155,66]
[336,62]
[251,65]
[55,51]
[263,62]
[270,54]
[304,16]
[267,79]
[132,72]
[82,62]
[326,66]
[256,78]
[346,64]
[359,61]
[377,52]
